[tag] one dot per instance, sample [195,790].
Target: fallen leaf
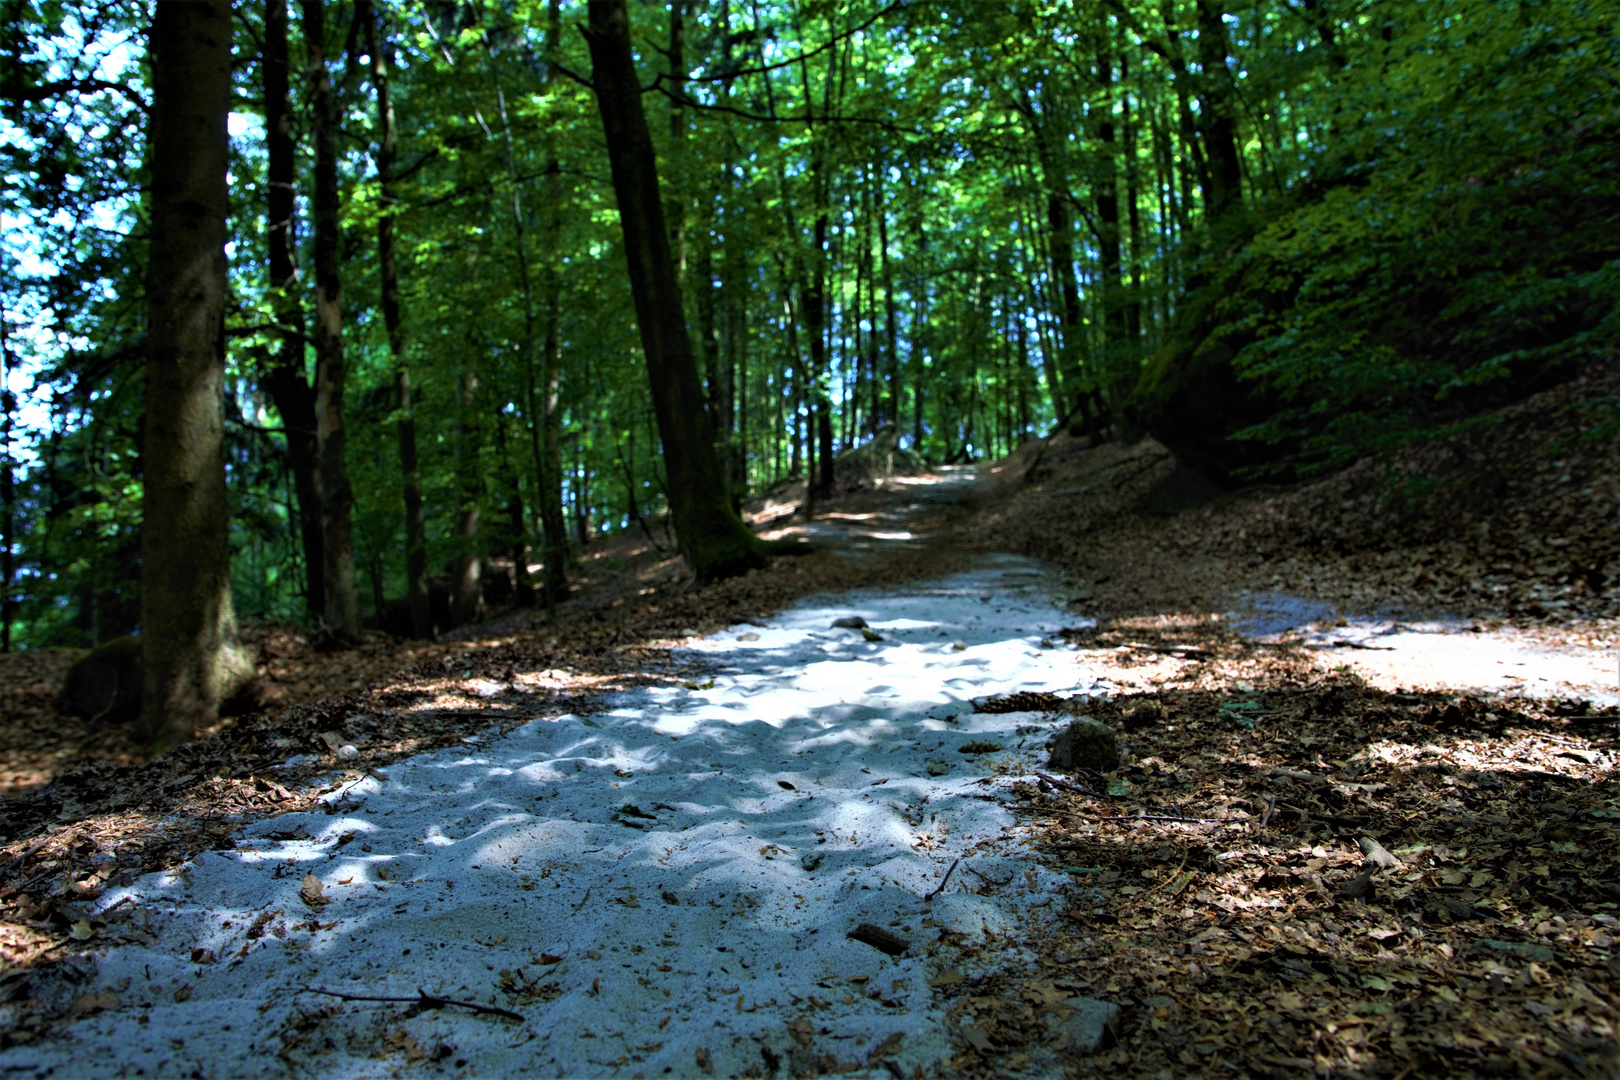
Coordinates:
[85,1004]
[312,893]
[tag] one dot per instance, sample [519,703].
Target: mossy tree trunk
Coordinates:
[713,538]
[185,572]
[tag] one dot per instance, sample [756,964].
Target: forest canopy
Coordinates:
[1277,235]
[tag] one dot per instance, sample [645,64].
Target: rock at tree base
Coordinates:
[104,685]
[1086,1025]
[1087,743]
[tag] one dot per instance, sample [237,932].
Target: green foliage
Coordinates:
[1428,226]
[1459,244]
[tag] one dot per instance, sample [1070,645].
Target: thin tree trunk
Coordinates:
[582,496]
[8,487]
[518,538]
[545,418]
[186,621]
[1115,327]
[465,597]
[891,345]
[918,342]
[1219,113]
[553,533]
[713,538]
[1133,306]
[416,587]
[815,319]
[341,615]
[285,380]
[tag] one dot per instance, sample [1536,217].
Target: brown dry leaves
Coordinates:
[1490,950]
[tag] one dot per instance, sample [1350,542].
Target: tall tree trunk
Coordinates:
[1106,190]
[713,538]
[1061,260]
[285,380]
[341,615]
[1133,195]
[8,489]
[186,622]
[734,333]
[545,418]
[891,345]
[918,342]
[1219,113]
[518,534]
[581,478]
[553,531]
[815,325]
[466,600]
[416,587]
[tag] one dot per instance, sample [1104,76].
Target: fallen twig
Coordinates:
[424,999]
[1160,817]
[1312,778]
[1185,652]
[1331,819]
[1272,809]
[1066,786]
[946,882]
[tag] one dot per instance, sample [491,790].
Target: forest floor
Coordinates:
[1364,824]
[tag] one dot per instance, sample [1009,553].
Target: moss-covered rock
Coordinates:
[1189,396]
[1087,743]
[104,685]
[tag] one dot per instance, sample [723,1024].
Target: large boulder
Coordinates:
[1190,396]
[104,685]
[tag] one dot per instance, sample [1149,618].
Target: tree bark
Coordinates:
[341,614]
[713,538]
[1219,113]
[517,532]
[8,491]
[416,586]
[285,381]
[545,418]
[815,325]
[553,531]
[1106,189]
[186,619]
[465,596]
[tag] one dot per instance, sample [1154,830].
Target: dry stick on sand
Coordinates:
[946,882]
[424,999]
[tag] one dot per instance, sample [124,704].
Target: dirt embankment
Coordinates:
[1516,517]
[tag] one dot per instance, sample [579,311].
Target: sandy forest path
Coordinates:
[664,886]
[651,864]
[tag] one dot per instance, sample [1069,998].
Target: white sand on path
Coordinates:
[695,857]
[1445,653]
